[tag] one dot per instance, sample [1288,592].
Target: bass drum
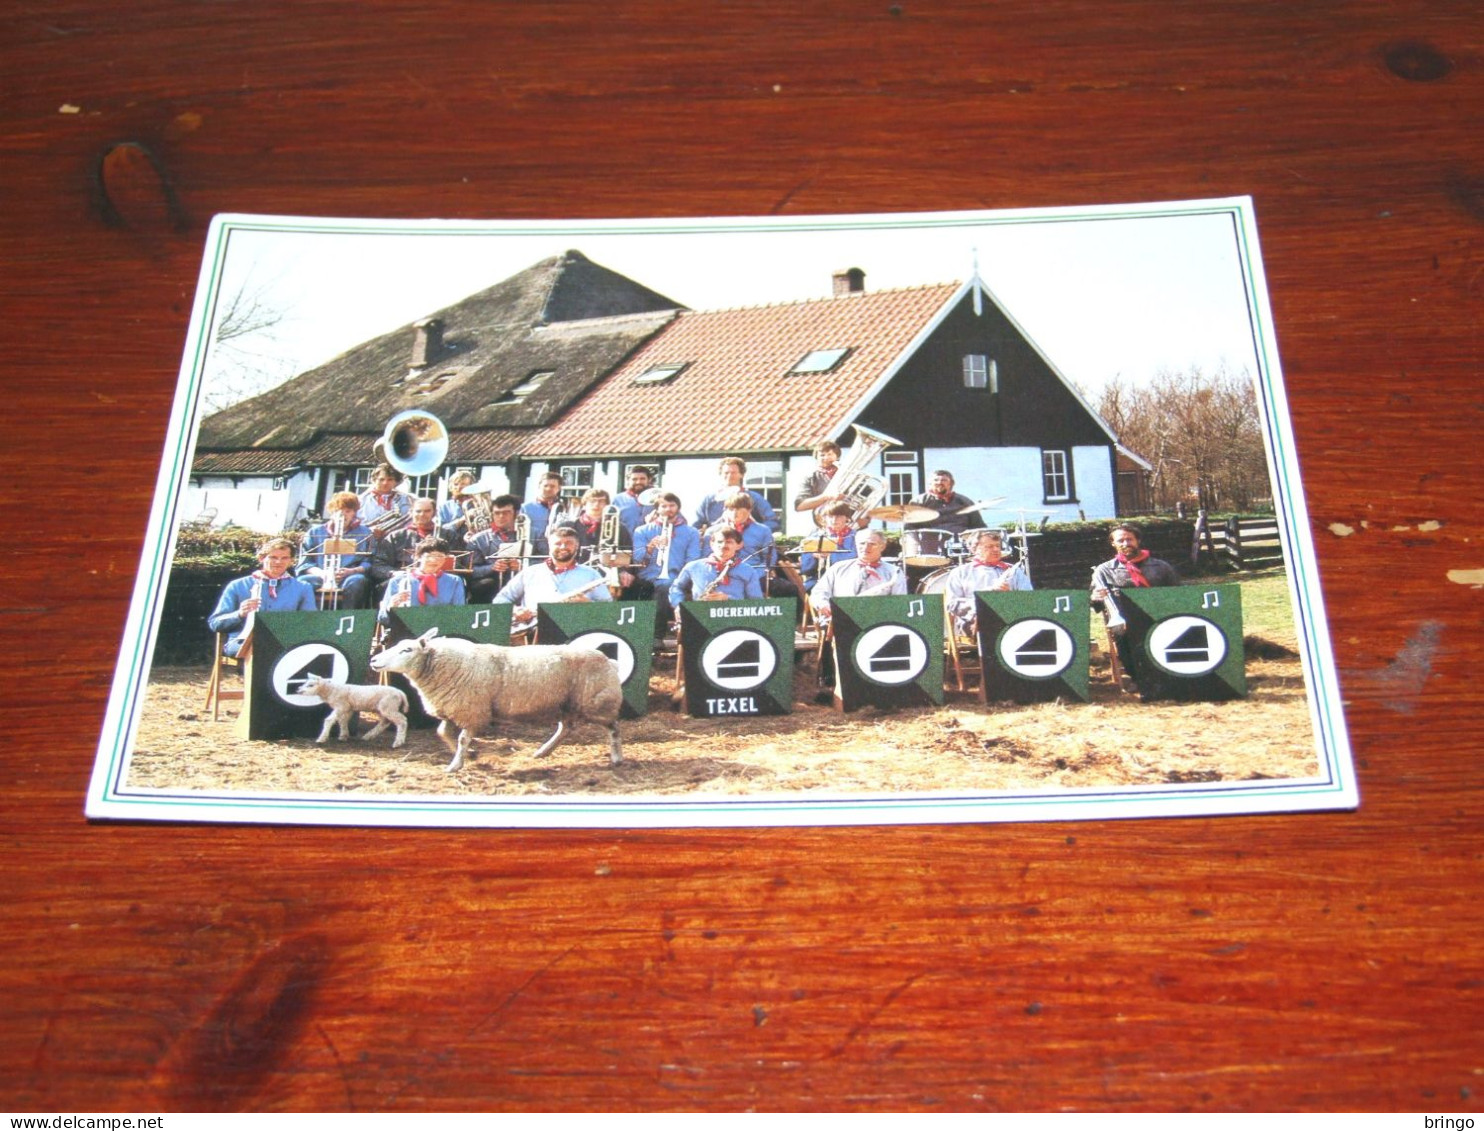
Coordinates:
[935,582]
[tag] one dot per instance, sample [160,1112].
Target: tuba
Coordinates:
[414,442]
[858,487]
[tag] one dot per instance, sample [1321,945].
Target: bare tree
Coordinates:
[1201,432]
[246,357]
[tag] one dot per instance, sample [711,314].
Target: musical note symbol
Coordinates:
[347,624]
[481,619]
[915,608]
[626,616]
[1063,604]
[1210,599]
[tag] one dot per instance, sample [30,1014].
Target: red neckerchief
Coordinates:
[870,569]
[384,501]
[1002,565]
[427,586]
[421,534]
[555,569]
[948,498]
[590,526]
[505,535]
[259,575]
[1135,574]
[741,525]
[829,472]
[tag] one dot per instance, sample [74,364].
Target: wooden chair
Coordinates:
[963,652]
[220,662]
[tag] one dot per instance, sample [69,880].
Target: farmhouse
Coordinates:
[570,367]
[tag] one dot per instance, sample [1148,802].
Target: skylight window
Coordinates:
[820,361]
[431,384]
[659,374]
[527,387]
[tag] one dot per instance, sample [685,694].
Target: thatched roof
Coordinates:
[566,315]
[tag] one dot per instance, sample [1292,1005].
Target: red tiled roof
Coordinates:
[736,394]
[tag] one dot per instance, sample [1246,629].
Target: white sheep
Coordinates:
[468,685]
[389,704]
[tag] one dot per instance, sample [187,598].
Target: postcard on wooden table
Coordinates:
[830,520]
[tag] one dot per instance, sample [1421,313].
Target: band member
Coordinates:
[488,568]
[816,491]
[864,575]
[332,570]
[720,577]
[1131,568]
[383,497]
[452,509]
[544,509]
[631,511]
[662,548]
[589,523]
[398,550]
[270,587]
[732,471]
[839,529]
[988,571]
[558,578]
[942,498]
[426,582]
[758,547]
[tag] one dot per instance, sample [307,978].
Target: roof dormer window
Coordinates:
[820,361]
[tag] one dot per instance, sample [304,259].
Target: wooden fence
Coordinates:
[1241,543]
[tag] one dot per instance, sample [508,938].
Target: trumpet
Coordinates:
[665,540]
[335,547]
[1112,615]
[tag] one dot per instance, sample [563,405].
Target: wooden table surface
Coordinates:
[1326,961]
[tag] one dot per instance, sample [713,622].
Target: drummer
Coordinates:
[836,544]
[956,512]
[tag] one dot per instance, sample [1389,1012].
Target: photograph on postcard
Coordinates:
[847,519]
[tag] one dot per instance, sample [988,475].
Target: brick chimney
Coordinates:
[851,281]
[427,342]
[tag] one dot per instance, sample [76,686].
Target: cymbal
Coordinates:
[983,504]
[819,545]
[906,512]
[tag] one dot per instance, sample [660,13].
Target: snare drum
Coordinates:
[935,582]
[926,548]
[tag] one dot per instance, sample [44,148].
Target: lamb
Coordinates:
[389,704]
[468,686]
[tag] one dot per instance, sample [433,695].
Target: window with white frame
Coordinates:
[820,361]
[1055,478]
[576,479]
[903,476]
[981,372]
[766,478]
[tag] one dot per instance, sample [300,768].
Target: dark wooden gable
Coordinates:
[926,404]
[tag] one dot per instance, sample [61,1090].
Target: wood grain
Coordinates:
[1302,962]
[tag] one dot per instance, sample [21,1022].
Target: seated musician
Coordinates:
[396,551]
[345,572]
[839,529]
[1132,567]
[426,582]
[816,491]
[632,513]
[722,576]
[270,587]
[988,571]
[383,497]
[559,578]
[452,511]
[545,509]
[863,575]
[941,497]
[589,524]
[758,548]
[732,471]
[662,548]
[488,568]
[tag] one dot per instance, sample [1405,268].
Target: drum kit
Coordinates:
[938,550]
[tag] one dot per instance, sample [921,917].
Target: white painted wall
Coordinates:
[251,502]
[983,473]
